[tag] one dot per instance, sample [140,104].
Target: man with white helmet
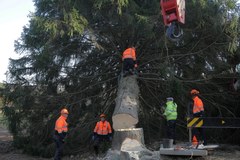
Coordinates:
[171,116]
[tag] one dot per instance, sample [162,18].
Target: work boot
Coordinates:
[203,142]
[200,146]
[96,150]
[174,142]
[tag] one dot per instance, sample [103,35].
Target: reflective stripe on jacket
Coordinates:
[171,111]
[103,128]
[61,125]
[129,53]
[197,105]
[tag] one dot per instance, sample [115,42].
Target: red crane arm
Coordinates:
[173,10]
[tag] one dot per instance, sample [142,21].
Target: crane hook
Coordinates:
[174,32]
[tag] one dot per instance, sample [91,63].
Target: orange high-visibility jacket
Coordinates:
[61,125]
[129,53]
[197,105]
[103,128]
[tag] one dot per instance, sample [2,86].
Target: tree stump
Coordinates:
[122,134]
[133,149]
[125,114]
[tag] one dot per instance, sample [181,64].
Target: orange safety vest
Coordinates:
[61,125]
[129,53]
[103,128]
[197,105]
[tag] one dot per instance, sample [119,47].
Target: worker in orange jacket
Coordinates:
[129,60]
[198,111]
[102,132]
[61,129]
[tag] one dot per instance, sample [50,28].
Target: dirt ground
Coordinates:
[7,152]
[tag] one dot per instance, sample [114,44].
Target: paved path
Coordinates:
[5,135]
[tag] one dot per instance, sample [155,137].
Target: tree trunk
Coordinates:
[127,102]
[122,134]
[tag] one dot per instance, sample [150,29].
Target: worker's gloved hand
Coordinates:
[110,137]
[93,138]
[162,109]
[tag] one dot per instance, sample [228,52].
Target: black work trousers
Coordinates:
[59,147]
[98,140]
[128,64]
[199,132]
[171,130]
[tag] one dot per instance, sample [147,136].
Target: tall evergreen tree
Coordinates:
[78,44]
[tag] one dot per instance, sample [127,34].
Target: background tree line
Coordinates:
[78,44]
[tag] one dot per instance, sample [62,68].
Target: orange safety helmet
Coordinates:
[64,111]
[194,91]
[102,115]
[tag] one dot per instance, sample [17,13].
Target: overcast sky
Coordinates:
[13,16]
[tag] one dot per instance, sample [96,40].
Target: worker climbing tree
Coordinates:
[129,61]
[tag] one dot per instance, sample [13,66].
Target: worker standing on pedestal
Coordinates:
[198,111]
[171,116]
